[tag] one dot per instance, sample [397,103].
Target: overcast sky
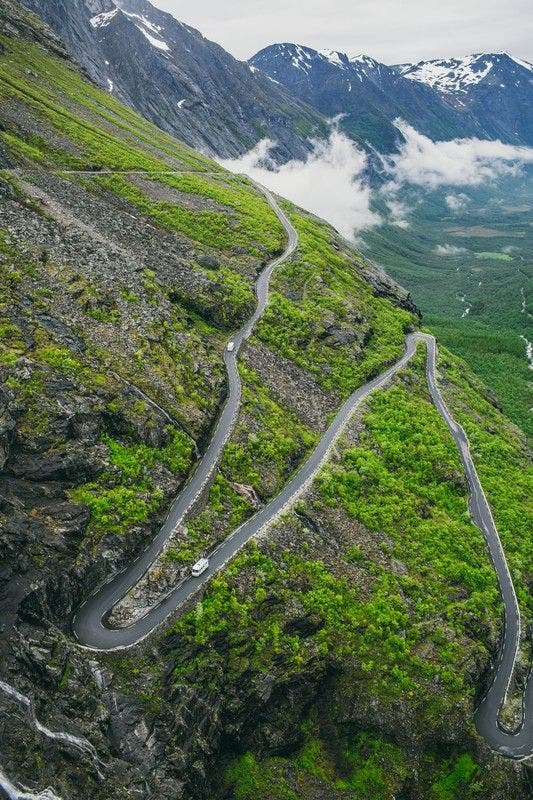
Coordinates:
[393,31]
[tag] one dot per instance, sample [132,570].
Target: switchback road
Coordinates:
[89,624]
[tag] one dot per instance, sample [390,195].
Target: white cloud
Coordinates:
[330,183]
[398,212]
[450,250]
[456,202]
[459,162]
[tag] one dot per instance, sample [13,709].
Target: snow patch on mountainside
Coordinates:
[524,64]
[159,43]
[333,57]
[363,62]
[300,59]
[103,20]
[147,28]
[452,75]
[144,21]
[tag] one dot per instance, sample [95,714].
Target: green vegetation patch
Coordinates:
[263,453]
[321,287]
[457,776]
[12,344]
[351,767]
[125,495]
[256,781]
[494,256]
[256,220]
[375,769]
[118,508]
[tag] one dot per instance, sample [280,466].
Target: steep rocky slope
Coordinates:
[175,77]
[338,658]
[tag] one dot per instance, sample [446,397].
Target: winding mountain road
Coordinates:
[92,631]
[520,744]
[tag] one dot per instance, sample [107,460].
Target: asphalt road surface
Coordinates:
[519,745]
[89,624]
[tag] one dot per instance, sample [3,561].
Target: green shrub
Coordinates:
[453,784]
[254,781]
[116,509]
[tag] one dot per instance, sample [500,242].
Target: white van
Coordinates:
[231,346]
[200,567]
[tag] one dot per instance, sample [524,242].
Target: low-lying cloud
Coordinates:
[331,182]
[450,250]
[458,162]
[457,202]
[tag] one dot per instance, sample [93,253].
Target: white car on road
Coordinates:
[200,567]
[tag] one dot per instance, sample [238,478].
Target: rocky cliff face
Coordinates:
[308,665]
[179,80]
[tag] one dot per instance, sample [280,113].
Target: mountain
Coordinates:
[194,89]
[179,80]
[495,88]
[341,651]
[492,98]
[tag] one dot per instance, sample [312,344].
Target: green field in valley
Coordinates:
[470,273]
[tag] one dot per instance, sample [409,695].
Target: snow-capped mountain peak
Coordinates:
[334,57]
[149,30]
[296,57]
[361,58]
[459,75]
[305,58]
[450,75]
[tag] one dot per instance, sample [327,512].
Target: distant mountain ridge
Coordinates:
[179,80]
[194,89]
[496,88]
[487,95]
[459,75]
